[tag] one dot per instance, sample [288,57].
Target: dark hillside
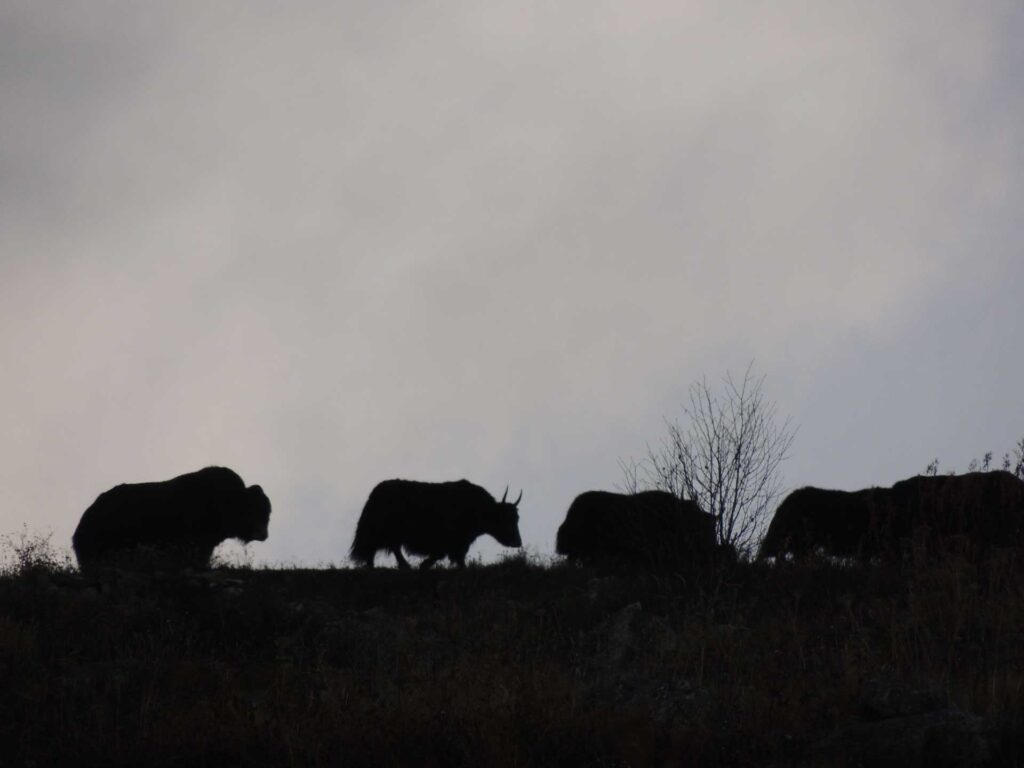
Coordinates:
[514,664]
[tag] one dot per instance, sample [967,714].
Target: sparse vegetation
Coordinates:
[1012,461]
[28,552]
[511,664]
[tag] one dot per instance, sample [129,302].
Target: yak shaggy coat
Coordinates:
[649,529]
[971,513]
[176,522]
[432,519]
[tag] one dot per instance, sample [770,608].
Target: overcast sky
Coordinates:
[330,243]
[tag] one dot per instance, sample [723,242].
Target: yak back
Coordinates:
[651,529]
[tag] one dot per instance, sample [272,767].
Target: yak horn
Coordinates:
[504,495]
[516,502]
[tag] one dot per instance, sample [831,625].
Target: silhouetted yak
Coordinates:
[432,519]
[840,523]
[972,512]
[176,522]
[652,529]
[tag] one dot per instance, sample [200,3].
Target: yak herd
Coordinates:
[180,521]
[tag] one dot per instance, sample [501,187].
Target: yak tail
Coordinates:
[364,545]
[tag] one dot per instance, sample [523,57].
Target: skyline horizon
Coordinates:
[340,242]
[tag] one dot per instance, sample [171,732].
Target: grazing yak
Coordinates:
[176,522]
[652,529]
[432,519]
[973,513]
[841,523]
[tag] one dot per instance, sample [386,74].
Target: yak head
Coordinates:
[505,521]
[254,518]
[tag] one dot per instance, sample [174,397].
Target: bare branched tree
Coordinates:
[725,455]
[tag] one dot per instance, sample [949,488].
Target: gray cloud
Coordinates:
[333,243]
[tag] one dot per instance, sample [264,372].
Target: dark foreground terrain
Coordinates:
[515,664]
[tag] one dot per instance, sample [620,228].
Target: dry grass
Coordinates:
[513,664]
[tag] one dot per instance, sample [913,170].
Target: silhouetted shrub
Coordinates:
[27,552]
[725,456]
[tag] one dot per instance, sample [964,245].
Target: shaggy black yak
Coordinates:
[175,522]
[432,519]
[648,529]
[972,513]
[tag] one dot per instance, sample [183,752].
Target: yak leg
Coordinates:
[402,562]
[429,562]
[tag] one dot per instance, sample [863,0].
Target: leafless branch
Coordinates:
[725,455]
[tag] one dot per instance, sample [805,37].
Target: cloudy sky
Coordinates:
[329,243]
